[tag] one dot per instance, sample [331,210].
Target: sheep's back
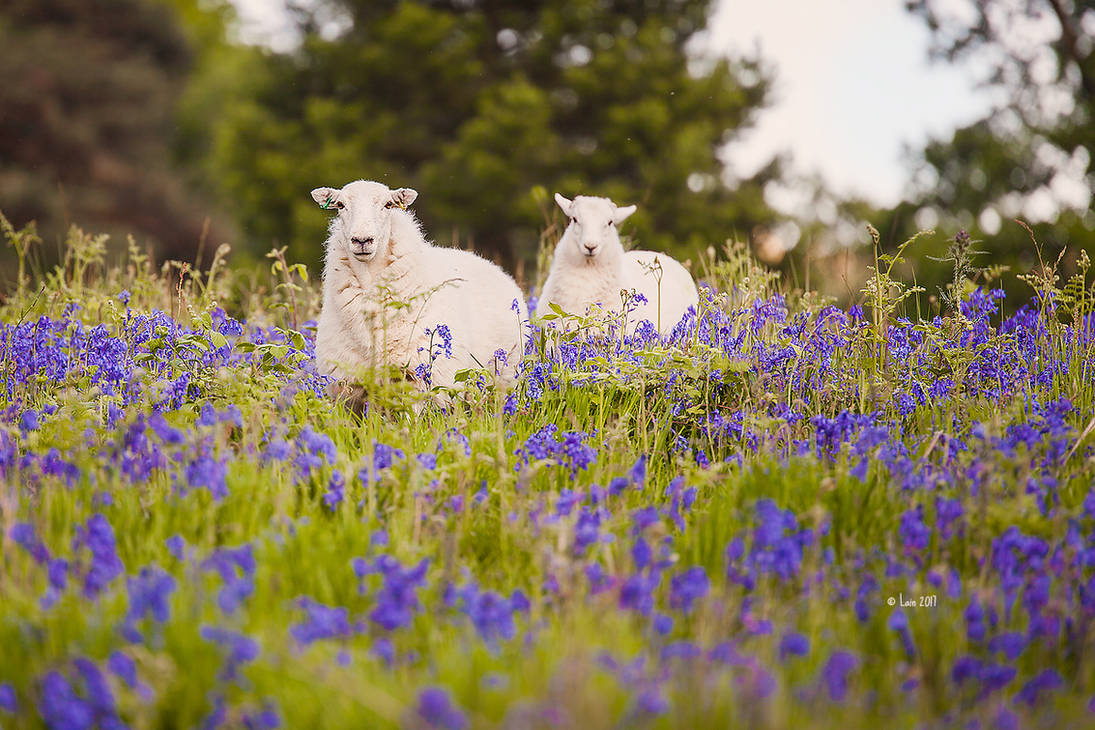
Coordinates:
[677,290]
[478,301]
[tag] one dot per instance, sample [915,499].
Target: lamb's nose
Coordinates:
[362,241]
[589,248]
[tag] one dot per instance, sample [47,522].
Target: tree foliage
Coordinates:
[88,94]
[1033,157]
[485,106]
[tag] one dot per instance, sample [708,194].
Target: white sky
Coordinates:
[853,84]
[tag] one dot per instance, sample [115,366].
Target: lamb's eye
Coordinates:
[389,204]
[340,206]
[573,221]
[608,224]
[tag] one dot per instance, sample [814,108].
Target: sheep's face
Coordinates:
[593,222]
[363,220]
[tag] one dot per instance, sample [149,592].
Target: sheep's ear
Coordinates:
[620,214]
[325,197]
[404,197]
[566,205]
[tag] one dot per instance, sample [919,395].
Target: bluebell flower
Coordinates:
[61,707]
[176,545]
[123,667]
[384,650]
[793,644]
[899,622]
[662,623]
[97,537]
[688,587]
[437,710]
[240,649]
[149,595]
[323,622]
[1043,683]
[8,701]
[1011,644]
[835,674]
[397,600]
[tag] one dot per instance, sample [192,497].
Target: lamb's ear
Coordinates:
[566,205]
[404,197]
[620,214]
[325,197]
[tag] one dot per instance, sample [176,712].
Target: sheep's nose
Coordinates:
[589,248]
[362,241]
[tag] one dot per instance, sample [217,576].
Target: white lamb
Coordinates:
[590,267]
[389,295]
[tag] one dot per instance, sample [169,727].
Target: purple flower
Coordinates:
[688,587]
[122,667]
[437,710]
[382,649]
[641,553]
[323,622]
[1041,684]
[236,567]
[835,674]
[240,649]
[265,719]
[149,595]
[24,535]
[28,421]
[975,621]
[899,622]
[915,534]
[651,701]
[793,644]
[994,677]
[176,545]
[680,650]
[60,706]
[207,472]
[397,599]
[490,613]
[1012,644]
[97,537]
[8,702]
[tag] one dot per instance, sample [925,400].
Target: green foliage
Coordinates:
[88,93]
[476,104]
[1026,149]
[303,547]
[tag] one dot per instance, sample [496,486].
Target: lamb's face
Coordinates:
[593,222]
[363,222]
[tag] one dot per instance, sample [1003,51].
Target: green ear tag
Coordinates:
[327,204]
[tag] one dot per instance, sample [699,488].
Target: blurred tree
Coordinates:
[87,99]
[1034,156]
[479,102]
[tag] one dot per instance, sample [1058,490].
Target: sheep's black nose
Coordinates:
[362,241]
[589,249]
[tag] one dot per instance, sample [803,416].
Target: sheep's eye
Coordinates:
[573,221]
[340,206]
[608,224]
[389,204]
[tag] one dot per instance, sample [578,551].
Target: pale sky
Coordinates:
[854,84]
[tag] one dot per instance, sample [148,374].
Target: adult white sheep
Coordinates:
[390,298]
[590,267]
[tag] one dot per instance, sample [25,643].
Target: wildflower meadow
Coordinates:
[786,514]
